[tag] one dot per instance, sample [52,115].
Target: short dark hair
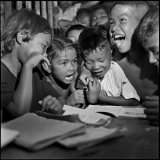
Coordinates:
[23,20]
[149,24]
[80,11]
[92,38]
[58,44]
[141,7]
[77,27]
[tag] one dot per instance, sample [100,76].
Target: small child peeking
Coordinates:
[108,83]
[62,55]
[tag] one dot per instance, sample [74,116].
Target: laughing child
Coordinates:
[129,53]
[115,89]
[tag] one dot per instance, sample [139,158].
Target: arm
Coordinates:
[89,4]
[22,96]
[65,24]
[120,101]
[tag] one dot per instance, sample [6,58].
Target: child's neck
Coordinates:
[59,83]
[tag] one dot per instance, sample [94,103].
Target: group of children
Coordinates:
[105,63]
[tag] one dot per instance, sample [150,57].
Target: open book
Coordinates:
[118,111]
[87,116]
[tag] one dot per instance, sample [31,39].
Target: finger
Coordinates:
[45,101]
[80,100]
[152,98]
[56,107]
[150,111]
[151,104]
[50,103]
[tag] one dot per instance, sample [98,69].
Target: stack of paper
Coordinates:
[91,137]
[37,132]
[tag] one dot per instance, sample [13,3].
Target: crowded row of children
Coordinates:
[105,63]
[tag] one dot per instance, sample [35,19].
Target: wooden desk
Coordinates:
[141,141]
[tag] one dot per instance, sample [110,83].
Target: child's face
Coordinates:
[84,20]
[98,62]
[100,17]
[65,65]
[122,25]
[74,35]
[38,44]
[152,46]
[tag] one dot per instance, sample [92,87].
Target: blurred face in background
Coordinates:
[100,17]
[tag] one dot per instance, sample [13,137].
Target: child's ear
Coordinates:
[22,36]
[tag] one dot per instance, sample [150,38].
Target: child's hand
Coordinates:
[85,78]
[50,104]
[35,58]
[152,109]
[76,97]
[93,91]
[55,10]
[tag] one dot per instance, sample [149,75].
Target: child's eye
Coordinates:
[75,61]
[101,60]
[122,20]
[64,63]
[111,23]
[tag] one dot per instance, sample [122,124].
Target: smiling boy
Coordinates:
[129,53]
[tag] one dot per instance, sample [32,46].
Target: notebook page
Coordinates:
[85,116]
[133,112]
[115,110]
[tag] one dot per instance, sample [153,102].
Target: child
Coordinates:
[73,33]
[100,16]
[62,54]
[67,12]
[129,53]
[26,37]
[115,87]
[148,34]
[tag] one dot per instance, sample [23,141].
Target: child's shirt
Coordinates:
[116,84]
[9,83]
[70,13]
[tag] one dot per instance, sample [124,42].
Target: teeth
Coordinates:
[69,77]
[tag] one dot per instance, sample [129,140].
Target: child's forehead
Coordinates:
[121,9]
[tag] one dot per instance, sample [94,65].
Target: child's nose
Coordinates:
[151,58]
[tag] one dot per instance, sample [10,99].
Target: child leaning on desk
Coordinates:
[148,34]
[26,36]
[109,84]
[62,54]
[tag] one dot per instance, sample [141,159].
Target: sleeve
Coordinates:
[7,87]
[125,87]
[76,7]
[6,94]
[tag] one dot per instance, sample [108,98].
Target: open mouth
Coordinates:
[98,73]
[118,39]
[69,77]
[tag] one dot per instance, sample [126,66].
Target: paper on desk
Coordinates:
[91,137]
[118,111]
[38,132]
[86,116]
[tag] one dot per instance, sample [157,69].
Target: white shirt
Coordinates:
[70,13]
[116,84]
